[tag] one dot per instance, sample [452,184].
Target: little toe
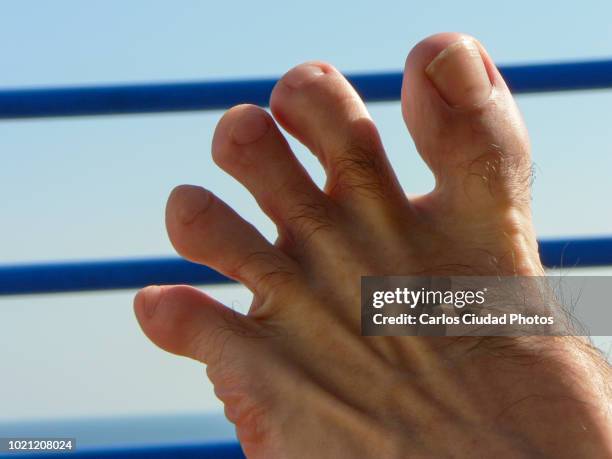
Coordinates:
[184,321]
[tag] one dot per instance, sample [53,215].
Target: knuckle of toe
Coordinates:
[506,177]
[265,270]
[212,346]
[307,218]
[358,168]
[275,281]
[498,155]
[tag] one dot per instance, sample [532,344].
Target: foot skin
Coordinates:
[296,377]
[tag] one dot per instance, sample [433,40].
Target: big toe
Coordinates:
[469,131]
[466,126]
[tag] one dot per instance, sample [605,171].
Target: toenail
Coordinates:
[195,200]
[250,126]
[459,75]
[302,74]
[148,299]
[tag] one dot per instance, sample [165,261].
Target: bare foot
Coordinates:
[295,375]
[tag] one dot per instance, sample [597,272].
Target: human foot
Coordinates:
[295,375]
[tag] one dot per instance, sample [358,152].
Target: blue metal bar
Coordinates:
[576,253]
[205,451]
[103,275]
[211,95]
[121,274]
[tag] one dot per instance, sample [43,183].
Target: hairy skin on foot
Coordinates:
[296,377]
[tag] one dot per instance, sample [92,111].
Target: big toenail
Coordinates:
[302,74]
[459,75]
[250,126]
[195,201]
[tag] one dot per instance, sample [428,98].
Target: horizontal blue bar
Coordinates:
[205,451]
[127,274]
[212,95]
[576,253]
[77,276]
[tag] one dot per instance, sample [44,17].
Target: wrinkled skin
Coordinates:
[295,375]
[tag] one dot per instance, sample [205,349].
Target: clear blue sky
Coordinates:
[96,187]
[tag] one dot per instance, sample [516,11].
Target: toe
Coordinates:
[206,230]
[249,146]
[236,349]
[466,127]
[318,106]
[184,321]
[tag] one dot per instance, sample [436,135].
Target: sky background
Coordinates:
[96,187]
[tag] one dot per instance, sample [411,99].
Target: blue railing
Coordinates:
[174,97]
[214,95]
[206,451]
[79,276]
